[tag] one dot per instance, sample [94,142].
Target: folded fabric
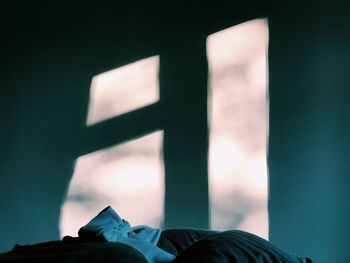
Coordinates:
[106,226]
[152,253]
[145,233]
[109,226]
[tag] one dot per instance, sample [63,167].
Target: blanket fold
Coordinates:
[109,226]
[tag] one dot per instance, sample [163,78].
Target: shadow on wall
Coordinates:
[45,93]
[47,68]
[130,176]
[123,175]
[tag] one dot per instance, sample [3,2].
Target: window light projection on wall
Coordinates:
[124,174]
[124,89]
[238,110]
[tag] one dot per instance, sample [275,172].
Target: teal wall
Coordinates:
[50,52]
[309,147]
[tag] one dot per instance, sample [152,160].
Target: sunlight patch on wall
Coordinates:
[129,177]
[238,111]
[123,89]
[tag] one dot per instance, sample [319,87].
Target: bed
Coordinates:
[187,245]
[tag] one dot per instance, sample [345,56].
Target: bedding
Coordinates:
[110,227]
[188,245]
[109,238]
[231,246]
[74,251]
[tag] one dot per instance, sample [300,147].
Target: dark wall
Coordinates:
[50,52]
[309,147]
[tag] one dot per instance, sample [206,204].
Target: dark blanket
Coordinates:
[192,246]
[73,252]
[189,245]
[175,241]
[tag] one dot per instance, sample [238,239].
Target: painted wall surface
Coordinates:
[309,149]
[50,52]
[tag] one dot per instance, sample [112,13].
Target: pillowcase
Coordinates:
[236,246]
[175,241]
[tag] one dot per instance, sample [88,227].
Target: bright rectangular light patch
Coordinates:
[238,113]
[129,177]
[123,89]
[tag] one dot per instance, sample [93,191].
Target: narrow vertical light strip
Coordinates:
[238,182]
[129,177]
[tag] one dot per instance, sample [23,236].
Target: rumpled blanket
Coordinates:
[109,226]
